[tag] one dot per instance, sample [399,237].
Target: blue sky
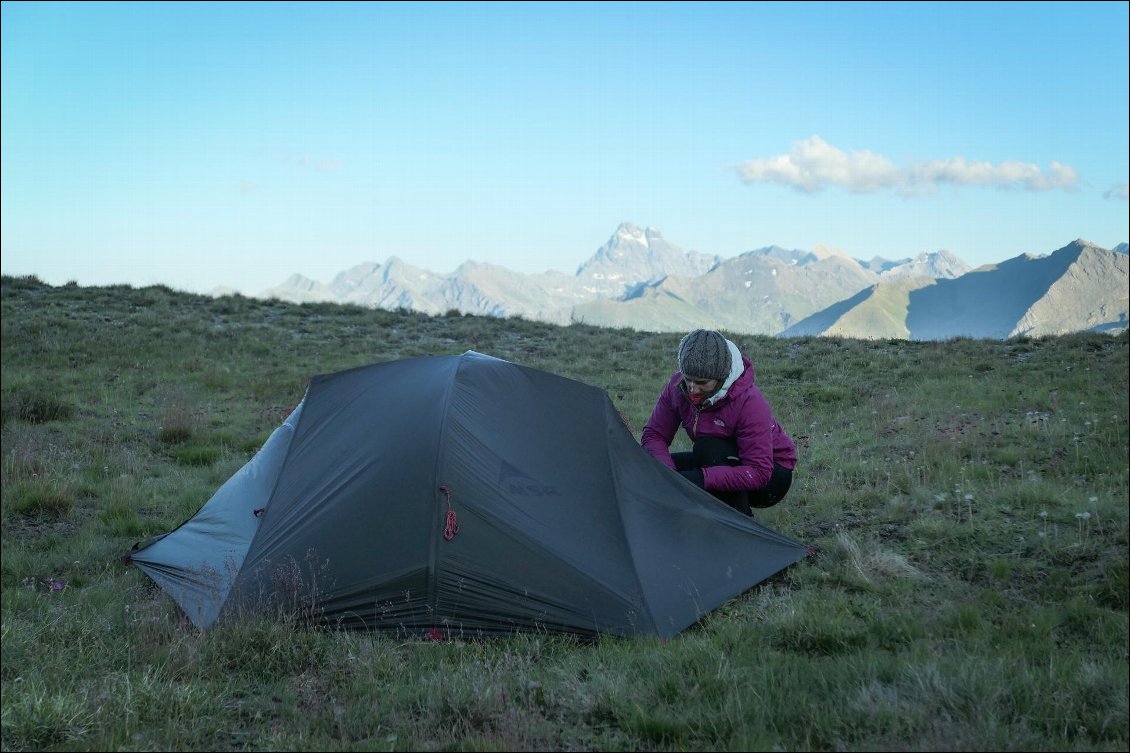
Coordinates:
[207,144]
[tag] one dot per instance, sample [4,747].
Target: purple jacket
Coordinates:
[739,411]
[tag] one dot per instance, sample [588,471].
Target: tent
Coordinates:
[467,495]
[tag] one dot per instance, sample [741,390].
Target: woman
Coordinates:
[741,454]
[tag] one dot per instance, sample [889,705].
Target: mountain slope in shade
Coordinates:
[995,300]
[1079,287]
[1091,295]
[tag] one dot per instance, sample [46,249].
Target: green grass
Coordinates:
[966,501]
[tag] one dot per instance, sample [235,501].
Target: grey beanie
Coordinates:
[704,353]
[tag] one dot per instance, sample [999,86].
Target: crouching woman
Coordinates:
[740,453]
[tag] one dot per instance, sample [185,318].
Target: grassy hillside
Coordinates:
[883,312]
[966,499]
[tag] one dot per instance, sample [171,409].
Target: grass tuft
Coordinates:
[34,406]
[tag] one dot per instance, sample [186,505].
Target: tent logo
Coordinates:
[517,484]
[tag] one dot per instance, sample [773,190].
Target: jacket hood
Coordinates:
[737,367]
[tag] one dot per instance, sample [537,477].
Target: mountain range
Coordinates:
[640,280]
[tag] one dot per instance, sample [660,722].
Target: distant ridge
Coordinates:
[1080,287]
[640,280]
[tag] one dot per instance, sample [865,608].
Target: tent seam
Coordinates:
[608,405]
[433,539]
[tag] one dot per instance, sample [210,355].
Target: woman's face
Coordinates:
[700,389]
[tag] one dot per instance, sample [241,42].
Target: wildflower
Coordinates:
[1084,519]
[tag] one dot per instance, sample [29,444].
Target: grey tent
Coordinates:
[467,495]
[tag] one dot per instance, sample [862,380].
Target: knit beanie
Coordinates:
[704,353]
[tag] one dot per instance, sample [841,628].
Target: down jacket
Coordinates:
[737,410]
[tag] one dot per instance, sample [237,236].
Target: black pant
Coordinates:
[710,451]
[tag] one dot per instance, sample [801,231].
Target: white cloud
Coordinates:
[1119,191]
[1010,174]
[813,164]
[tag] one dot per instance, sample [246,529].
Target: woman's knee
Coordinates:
[779,484]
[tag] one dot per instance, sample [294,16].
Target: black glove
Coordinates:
[694,475]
